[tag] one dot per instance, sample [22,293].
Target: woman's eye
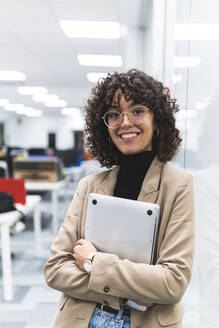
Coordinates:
[114,115]
[138,111]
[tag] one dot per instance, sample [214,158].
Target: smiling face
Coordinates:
[130,138]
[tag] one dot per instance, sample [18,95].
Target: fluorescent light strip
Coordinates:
[22,111]
[13,107]
[29,111]
[193,31]
[56,103]
[12,76]
[94,77]
[183,62]
[45,98]
[90,29]
[30,91]
[100,60]
[34,113]
[4,102]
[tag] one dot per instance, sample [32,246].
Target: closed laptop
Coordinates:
[124,227]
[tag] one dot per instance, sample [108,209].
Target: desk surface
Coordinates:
[47,186]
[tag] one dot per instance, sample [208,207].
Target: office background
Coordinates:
[174,41]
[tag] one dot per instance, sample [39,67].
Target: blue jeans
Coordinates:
[101,319]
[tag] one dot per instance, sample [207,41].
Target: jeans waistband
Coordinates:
[111,310]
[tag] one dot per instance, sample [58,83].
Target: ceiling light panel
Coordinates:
[13,107]
[90,29]
[45,98]
[100,60]
[12,76]
[56,103]
[4,102]
[34,113]
[30,91]
[22,111]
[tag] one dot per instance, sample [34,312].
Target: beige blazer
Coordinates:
[163,283]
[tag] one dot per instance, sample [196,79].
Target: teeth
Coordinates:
[130,135]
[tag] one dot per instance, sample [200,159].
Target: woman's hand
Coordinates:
[81,250]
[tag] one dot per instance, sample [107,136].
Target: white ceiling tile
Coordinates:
[87,10]
[5,35]
[32,41]
[88,46]
[35,32]
[25,10]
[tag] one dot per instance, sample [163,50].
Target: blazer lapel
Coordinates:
[108,184]
[150,186]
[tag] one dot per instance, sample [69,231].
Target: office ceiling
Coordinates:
[32,41]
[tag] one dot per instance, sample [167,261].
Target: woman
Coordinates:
[130,123]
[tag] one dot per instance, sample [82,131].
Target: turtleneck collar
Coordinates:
[137,163]
[133,169]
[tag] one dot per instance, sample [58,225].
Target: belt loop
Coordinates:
[120,313]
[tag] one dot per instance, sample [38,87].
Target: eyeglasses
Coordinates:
[137,115]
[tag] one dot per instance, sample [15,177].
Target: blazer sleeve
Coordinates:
[61,271]
[166,281]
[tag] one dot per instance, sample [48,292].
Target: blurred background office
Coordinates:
[52,52]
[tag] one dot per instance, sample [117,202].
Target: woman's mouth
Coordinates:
[129,136]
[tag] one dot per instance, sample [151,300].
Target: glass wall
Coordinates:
[195,84]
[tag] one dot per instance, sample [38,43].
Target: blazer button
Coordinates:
[106,289]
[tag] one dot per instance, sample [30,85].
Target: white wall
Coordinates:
[28,132]
[32,132]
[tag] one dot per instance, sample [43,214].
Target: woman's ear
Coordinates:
[156,132]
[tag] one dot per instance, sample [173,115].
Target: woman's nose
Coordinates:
[125,120]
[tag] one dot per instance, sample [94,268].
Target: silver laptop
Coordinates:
[124,227]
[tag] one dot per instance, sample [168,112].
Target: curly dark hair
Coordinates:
[141,89]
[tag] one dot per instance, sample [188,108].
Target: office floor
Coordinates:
[34,304]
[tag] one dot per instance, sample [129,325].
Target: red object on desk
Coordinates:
[16,188]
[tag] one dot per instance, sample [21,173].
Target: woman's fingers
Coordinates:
[81,242]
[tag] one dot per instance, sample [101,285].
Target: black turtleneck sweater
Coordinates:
[133,169]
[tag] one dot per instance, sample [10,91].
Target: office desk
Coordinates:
[7,220]
[53,188]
